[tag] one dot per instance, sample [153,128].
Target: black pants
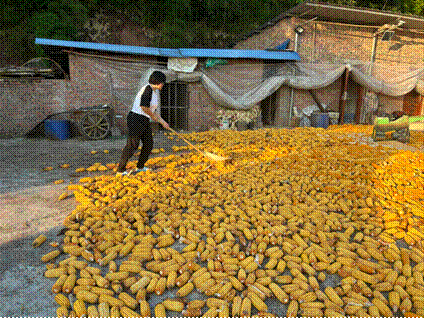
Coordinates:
[138,129]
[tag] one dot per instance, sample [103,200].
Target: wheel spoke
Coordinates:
[99,124]
[89,131]
[100,120]
[90,118]
[95,125]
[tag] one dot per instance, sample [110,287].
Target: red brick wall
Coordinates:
[390,104]
[322,42]
[336,43]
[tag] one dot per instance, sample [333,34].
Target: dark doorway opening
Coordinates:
[413,103]
[268,109]
[174,105]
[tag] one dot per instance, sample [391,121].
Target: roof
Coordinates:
[344,14]
[355,15]
[180,52]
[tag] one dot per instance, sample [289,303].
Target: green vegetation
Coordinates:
[180,23]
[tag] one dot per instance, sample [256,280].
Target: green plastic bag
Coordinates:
[211,62]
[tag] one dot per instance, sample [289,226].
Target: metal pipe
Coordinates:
[296,39]
[374,48]
[291,101]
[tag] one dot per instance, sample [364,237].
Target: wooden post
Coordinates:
[343,96]
[316,100]
[359,104]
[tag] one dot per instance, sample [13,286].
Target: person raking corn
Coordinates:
[144,108]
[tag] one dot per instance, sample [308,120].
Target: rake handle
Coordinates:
[179,135]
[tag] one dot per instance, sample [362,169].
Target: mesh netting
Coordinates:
[238,85]
[387,80]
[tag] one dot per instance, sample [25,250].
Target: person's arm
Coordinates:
[154,116]
[145,100]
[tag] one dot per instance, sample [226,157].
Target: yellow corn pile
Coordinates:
[399,185]
[417,139]
[290,209]
[351,128]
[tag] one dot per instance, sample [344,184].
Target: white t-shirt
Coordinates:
[146,97]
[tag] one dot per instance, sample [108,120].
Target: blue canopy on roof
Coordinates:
[169,52]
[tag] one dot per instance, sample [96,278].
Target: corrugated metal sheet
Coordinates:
[182,52]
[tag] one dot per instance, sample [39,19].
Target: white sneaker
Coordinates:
[140,170]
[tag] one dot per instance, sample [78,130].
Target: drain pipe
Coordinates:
[373,52]
[291,104]
[296,40]
[298,30]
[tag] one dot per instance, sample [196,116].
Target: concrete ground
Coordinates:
[28,208]
[22,159]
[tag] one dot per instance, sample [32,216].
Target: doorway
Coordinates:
[268,109]
[352,102]
[174,105]
[413,103]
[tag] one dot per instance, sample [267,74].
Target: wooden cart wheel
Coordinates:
[95,125]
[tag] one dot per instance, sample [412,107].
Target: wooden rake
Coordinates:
[204,153]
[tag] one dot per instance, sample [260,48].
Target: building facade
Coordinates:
[388,43]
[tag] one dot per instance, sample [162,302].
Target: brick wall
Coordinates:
[24,103]
[329,96]
[94,82]
[238,75]
[322,42]
[270,37]
[92,87]
[202,109]
[337,43]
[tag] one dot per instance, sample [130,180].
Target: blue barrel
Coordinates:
[57,129]
[321,120]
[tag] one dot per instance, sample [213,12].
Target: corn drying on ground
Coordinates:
[301,222]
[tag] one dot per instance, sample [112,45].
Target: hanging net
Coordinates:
[236,85]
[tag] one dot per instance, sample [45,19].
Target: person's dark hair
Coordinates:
[157,78]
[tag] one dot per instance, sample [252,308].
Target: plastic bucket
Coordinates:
[224,124]
[321,120]
[57,129]
[334,118]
